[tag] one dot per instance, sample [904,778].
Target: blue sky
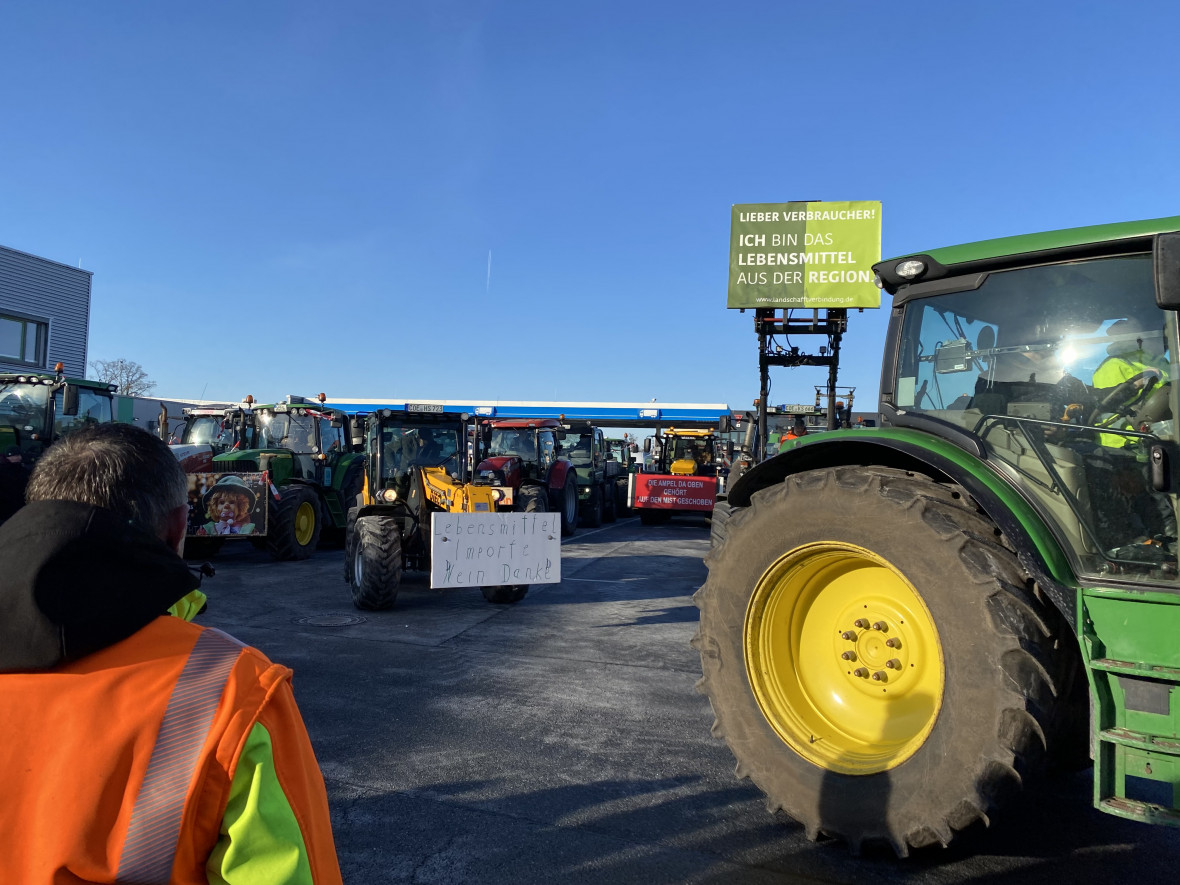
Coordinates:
[289,197]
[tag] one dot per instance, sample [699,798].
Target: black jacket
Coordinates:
[13,479]
[75,579]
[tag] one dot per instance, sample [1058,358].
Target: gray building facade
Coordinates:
[44,314]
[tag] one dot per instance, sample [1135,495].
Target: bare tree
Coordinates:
[127,374]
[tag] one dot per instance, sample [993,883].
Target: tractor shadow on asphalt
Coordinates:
[609,831]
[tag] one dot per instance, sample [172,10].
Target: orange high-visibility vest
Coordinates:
[103,779]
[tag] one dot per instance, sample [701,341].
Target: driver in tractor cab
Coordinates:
[581,451]
[520,444]
[429,451]
[1137,360]
[1137,357]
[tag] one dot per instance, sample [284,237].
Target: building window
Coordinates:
[22,340]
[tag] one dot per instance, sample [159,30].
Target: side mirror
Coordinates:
[69,400]
[647,446]
[1166,266]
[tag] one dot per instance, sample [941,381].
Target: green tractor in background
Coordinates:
[599,474]
[312,473]
[37,408]
[903,626]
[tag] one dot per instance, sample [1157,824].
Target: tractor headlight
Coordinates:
[387,495]
[910,269]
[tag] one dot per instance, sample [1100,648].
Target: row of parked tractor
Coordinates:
[291,475]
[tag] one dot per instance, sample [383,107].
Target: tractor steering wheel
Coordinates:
[1128,388]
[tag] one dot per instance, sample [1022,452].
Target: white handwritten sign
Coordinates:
[491,549]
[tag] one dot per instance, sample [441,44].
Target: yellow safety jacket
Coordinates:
[1113,371]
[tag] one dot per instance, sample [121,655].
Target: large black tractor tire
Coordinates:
[719,522]
[532,499]
[591,515]
[295,522]
[565,502]
[876,658]
[349,528]
[505,594]
[375,550]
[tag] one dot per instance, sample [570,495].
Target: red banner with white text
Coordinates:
[663,492]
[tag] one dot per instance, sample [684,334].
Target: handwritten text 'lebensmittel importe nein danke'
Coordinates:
[490,549]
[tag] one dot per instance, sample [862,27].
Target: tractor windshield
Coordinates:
[94,407]
[516,441]
[23,416]
[207,430]
[1064,371]
[697,449]
[404,446]
[222,432]
[287,430]
[579,449]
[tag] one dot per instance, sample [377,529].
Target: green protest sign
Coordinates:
[804,254]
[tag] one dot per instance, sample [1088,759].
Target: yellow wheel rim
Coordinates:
[844,658]
[304,523]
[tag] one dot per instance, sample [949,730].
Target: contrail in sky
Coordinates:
[489,286]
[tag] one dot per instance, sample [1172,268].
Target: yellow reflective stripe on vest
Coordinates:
[150,846]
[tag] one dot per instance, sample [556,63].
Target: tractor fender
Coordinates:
[557,474]
[1040,550]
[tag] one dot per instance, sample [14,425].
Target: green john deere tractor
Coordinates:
[903,626]
[312,475]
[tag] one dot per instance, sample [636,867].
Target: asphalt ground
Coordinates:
[561,739]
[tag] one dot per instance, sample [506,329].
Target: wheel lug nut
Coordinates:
[863,623]
[861,672]
[848,634]
[849,656]
[881,625]
[893,642]
[881,676]
[893,664]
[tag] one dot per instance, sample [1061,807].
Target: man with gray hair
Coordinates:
[181,751]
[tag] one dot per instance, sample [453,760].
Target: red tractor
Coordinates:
[523,456]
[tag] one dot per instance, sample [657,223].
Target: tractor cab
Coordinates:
[400,441]
[688,453]
[1061,374]
[37,409]
[619,451]
[524,447]
[224,430]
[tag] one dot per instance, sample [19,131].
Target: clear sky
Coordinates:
[531,200]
